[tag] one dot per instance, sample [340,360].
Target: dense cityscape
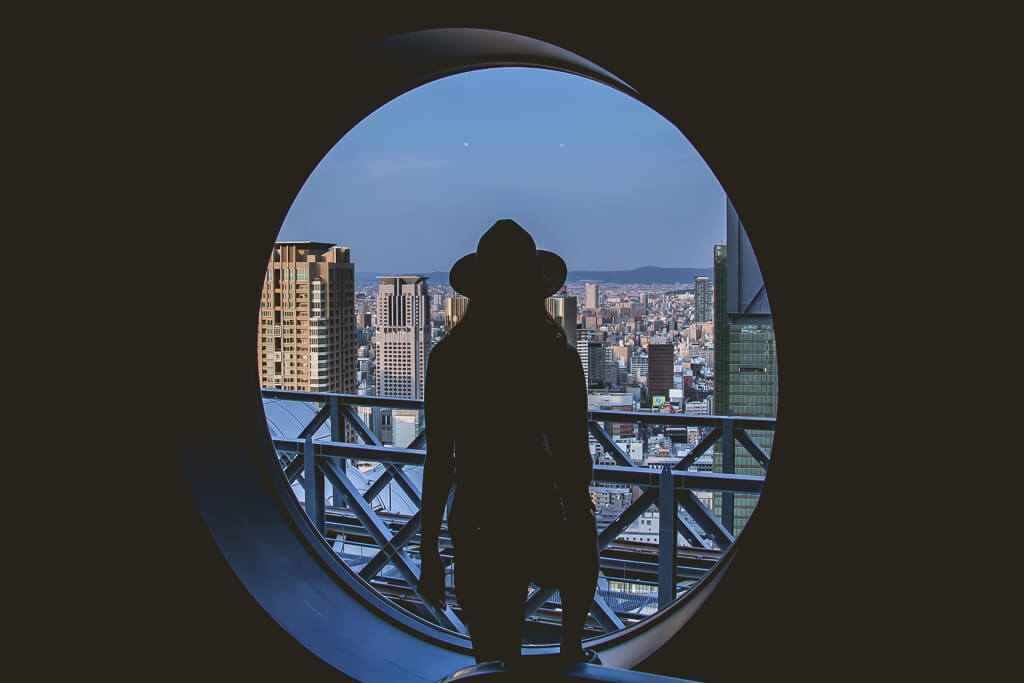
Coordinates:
[643,348]
[668,348]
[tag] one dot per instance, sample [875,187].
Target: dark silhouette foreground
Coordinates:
[506,421]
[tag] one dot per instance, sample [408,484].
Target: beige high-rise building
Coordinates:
[307,335]
[592,303]
[403,335]
[454,308]
[563,310]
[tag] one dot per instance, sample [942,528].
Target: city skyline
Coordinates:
[592,174]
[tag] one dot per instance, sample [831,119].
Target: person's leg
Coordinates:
[577,594]
[513,617]
[492,594]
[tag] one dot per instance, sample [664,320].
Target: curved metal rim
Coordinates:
[448,55]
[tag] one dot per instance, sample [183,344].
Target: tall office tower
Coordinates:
[702,304]
[598,354]
[659,369]
[403,335]
[643,301]
[307,335]
[583,336]
[454,308]
[563,310]
[591,302]
[746,374]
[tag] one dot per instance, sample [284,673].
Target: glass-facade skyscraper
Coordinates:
[746,383]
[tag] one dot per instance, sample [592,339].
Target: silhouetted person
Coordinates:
[505,391]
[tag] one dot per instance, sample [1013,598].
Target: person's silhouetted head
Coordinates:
[508,267]
[508,278]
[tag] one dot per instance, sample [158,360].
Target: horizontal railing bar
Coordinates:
[637,476]
[698,481]
[337,449]
[356,535]
[350,399]
[682,419]
[670,419]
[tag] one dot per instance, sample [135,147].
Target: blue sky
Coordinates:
[594,175]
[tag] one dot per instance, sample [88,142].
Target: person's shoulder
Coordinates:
[565,346]
[567,351]
[441,347]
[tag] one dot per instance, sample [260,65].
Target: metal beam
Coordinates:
[753,448]
[605,615]
[685,528]
[420,440]
[337,434]
[346,399]
[666,540]
[722,536]
[626,517]
[349,414]
[682,419]
[330,449]
[707,442]
[293,470]
[314,488]
[672,419]
[396,543]
[610,446]
[317,422]
[376,487]
[728,467]
[638,567]
[645,477]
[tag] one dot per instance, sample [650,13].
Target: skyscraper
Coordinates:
[702,303]
[598,356]
[563,310]
[454,308]
[583,336]
[746,374]
[660,358]
[403,335]
[307,334]
[592,303]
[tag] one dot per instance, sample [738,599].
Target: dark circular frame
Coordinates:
[265,536]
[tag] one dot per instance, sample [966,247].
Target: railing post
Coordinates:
[337,434]
[666,539]
[314,486]
[728,467]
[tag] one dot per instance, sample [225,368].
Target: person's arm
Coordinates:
[438,471]
[570,438]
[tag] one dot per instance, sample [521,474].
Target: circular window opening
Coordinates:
[663,299]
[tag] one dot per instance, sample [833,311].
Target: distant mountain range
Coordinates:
[637,276]
[642,275]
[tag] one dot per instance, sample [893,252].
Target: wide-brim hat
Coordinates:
[506,257]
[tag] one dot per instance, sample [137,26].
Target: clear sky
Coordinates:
[591,173]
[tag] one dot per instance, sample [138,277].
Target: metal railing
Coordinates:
[671,489]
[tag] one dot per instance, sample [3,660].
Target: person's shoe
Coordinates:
[588,656]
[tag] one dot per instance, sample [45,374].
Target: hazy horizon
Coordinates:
[592,174]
